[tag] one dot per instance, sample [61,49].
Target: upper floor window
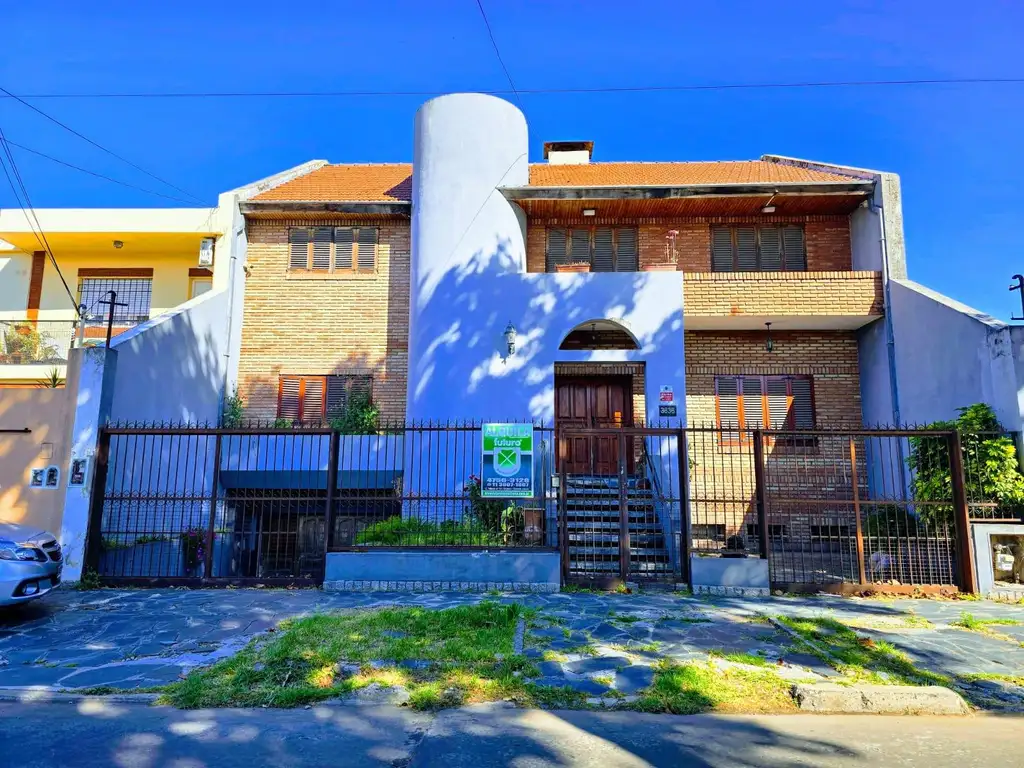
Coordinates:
[606,249]
[318,398]
[135,293]
[332,249]
[758,248]
[763,402]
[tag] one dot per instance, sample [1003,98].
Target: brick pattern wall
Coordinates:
[785,293]
[324,324]
[827,240]
[722,476]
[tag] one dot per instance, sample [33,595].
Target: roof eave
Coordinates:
[367,207]
[658,192]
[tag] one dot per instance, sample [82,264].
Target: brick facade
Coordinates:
[318,323]
[782,293]
[827,240]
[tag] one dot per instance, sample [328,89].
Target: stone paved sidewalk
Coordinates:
[596,643]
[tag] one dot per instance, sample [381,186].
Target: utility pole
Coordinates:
[1019,287]
[113,302]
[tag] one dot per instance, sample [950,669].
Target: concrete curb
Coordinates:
[879,699]
[26,695]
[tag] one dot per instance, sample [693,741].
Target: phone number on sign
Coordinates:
[503,483]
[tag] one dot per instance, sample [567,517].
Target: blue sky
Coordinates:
[958,148]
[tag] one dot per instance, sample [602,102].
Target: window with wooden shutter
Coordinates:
[558,245]
[298,248]
[332,249]
[749,248]
[313,399]
[322,249]
[606,249]
[745,403]
[366,254]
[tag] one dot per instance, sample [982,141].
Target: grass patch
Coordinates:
[973,623]
[298,664]
[862,659]
[686,689]
[751,659]
[975,677]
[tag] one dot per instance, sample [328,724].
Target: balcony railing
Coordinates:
[47,342]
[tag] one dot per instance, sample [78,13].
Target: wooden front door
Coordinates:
[586,402]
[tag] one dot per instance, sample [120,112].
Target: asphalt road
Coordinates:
[98,733]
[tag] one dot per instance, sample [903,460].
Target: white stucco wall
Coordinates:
[173,366]
[949,355]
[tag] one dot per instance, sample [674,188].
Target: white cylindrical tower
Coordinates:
[464,235]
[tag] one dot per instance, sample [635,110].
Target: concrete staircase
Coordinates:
[592,522]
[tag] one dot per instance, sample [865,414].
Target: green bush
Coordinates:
[890,521]
[991,470]
[415,532]
[359,417]
[234,411]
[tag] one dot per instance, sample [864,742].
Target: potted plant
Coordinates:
[575,266]
[670,265]
[193,550]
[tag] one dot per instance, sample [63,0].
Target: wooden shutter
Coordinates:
[778,403]
[366,257]
[312,398]
[604,256]
[771,249]
[746,249]
[343,239]
[727,395]
[579,246]
[795,253]
[753,403]
[298,248]
[557,245]
[721,249]
[288,397]
[626,250]
[322,249]
[803,404]
[337,395]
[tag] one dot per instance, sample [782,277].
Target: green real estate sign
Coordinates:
[507,462]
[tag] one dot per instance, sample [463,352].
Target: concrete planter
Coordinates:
[661,268]
[744,575]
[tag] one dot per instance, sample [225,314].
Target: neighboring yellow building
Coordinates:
[150,257]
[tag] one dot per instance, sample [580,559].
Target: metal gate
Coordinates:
[620,505]
[829,508]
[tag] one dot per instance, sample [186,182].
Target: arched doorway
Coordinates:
[599,334]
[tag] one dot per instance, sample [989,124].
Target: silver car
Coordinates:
[30,563]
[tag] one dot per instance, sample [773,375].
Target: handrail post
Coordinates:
[759,494]
[624,547]
[961,518]
[686,540]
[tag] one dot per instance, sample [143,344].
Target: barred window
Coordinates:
[606,249]
[758,249]
[332,249]
[134,292]
[318,398]
[744,403]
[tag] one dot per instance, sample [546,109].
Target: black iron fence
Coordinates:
[833,506]
[178,504]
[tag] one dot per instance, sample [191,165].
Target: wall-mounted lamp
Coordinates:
[768,207]
[119,243]
[769,345]
[510,338]
[590,212]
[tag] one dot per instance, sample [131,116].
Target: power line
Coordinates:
[97,145]
[494,43]
[41,236]
[93,173]
[522,91]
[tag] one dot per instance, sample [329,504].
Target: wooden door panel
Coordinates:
[596,402]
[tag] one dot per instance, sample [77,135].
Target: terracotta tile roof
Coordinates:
[666,174]
[392,182]
[378,182]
